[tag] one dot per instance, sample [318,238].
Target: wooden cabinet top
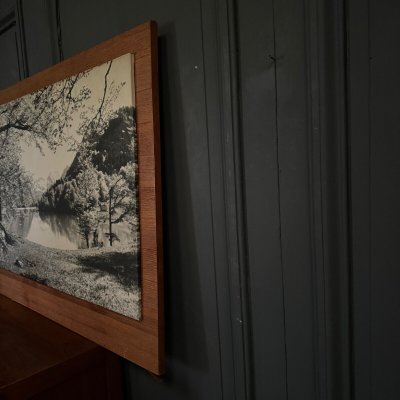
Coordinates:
[37,354]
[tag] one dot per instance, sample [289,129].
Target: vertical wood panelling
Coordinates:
[9,66]
[39,20]
[330,188]
[223,117]
[12,44]
[359,138]
[385,197]
[373,107]
[374,137]
[252,164]
[306,52]
[259,134]
[292,140]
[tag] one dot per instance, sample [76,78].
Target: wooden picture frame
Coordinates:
[141,342]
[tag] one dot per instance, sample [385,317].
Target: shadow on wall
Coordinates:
[186,345]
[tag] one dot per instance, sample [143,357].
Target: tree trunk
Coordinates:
[87,240]
[110,218]
[1,211]
[5,240]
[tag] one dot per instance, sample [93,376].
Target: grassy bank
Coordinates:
[108,276]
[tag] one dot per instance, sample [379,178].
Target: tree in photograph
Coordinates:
[95,119]
[16,186]
[15,190]
[87,200]
[130,173]
[116,146]
[87,223]
[45,118]
[36,118]
[121,198]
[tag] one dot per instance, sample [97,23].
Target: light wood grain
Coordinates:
[141,342]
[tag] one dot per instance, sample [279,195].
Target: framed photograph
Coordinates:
[80,196]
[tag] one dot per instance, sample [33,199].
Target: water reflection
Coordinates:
[60,231]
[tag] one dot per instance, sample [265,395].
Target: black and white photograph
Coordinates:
[69,187]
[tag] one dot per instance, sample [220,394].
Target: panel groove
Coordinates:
[217,294]
[230,158]
[316,199]
[21,41]
[329,184]
[59,31]
[369,207]
[238,231]
[10,23]
[278,170]
[359,122]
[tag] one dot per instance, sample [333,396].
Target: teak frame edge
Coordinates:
[141,342]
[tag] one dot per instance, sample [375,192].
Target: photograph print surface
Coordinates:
[69,189]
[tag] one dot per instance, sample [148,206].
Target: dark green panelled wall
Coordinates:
[266,187]
[255,307]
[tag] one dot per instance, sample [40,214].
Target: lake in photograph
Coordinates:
[61,231]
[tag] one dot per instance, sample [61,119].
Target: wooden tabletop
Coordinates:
[36,353]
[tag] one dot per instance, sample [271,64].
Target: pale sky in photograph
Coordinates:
[53,164]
